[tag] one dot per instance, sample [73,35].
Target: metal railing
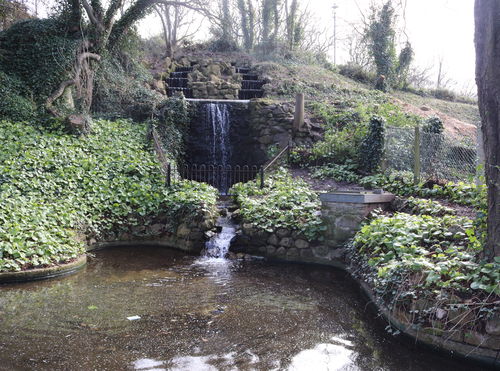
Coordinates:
[285,151]
[218,176]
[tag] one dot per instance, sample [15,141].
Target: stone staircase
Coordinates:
[251,86]
[178,82]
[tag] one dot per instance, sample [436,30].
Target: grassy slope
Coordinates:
[320,84]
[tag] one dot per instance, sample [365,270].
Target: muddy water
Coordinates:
[198,315]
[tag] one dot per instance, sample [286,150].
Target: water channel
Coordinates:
[155,309]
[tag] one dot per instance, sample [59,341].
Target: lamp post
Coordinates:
[335,7]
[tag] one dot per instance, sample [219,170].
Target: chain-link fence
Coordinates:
[439,156]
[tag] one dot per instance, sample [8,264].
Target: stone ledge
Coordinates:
[44,273]
[486,356]
[357,198]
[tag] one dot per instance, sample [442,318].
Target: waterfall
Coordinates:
[217,119]
[218,245]
[217,123]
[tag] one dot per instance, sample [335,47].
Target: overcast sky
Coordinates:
[436,28]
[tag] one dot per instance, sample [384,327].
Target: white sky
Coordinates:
[436,28]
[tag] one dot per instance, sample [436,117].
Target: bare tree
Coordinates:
[487,41]
[178,23]
[420,77]
[443,81]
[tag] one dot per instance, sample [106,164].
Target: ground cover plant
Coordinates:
[430,267]
[56,187]
[283,203]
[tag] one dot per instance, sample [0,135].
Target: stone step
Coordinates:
[250,93]
[174,82]
[250,77]
[242,70]
[184,69]
[252,84]
[188,93]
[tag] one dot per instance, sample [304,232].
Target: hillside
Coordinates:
[322,85]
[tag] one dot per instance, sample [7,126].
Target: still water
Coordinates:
[155,309]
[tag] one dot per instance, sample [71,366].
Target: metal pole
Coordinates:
[335,7]
[261,177]
[169,175]
[416,156]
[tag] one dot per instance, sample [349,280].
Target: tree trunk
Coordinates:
[487,41]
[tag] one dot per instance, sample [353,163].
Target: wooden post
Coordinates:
[298,121]
[261,177]
[169,175]
[480,155]
[416,156]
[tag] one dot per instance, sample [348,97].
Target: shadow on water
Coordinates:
[153,309]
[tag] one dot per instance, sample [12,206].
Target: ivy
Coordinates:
[285,202]
[55,187]
[372,146]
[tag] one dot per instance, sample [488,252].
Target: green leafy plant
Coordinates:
[285,202]
[56,188]
[372,146]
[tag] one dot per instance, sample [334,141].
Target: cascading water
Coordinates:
[217,121]
[218,246]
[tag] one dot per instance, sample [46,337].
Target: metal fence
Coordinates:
[430,155]
[218,176]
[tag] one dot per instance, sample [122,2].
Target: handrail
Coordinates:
[166,168]
[278,156]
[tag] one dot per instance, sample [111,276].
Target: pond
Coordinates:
[153,309]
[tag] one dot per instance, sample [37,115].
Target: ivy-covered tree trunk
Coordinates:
[487,40]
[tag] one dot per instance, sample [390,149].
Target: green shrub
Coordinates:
[422,206]
[358,73]
[339,173]
[443,251]
[40,53]
[55,186]
[372,146]
[285,202]
[444,94]
[14,106]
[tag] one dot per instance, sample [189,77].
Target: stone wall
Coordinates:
[272,121]
[214,80]
[343,214]
[188,235]
[342,219]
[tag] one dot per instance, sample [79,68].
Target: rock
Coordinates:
[306,254]
[493,326]
[320,251]
[286,242]
[282,232]
[301,244]
[271,250]
[292,253]
[156,228]
[337,253]
[461,316]
[281,251]
[183,231]
[240,255]
[482,340]
[266,139]
[138,229]
[263,249]
[273,240]
[196,235]
[441,313]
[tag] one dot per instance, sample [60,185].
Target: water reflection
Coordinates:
[328,357]
[197,314]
